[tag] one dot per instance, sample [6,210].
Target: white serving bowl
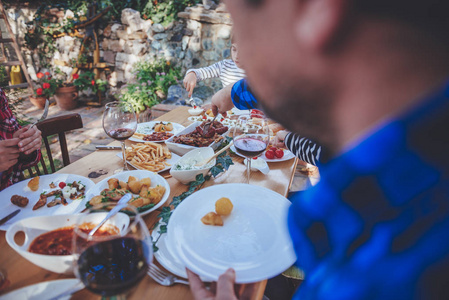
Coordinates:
[35,226]
[190,158]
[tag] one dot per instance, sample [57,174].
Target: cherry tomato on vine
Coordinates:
[279,153]
[269,154]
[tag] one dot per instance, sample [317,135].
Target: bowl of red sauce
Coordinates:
[46,241]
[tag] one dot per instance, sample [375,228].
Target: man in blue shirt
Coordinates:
[368,80]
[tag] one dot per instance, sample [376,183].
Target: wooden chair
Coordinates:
[51,126]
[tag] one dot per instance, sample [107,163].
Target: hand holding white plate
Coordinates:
[254,239]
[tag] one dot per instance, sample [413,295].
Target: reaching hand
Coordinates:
[30,139]
[224,291]
[222,102]
[9,153]
[279,138]
[190,82]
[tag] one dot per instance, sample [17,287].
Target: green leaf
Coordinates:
[145,207]
[163,229]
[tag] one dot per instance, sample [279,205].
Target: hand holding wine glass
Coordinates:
[251,137]
[116,258]
[120,123]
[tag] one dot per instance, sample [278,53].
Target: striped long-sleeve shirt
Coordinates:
[303,148]
[226,70]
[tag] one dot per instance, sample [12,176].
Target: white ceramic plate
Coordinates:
[139,174]
[172,161]
[147,128]
[43,290]
[254,239]
[21,188]
[166,259]
[287,155]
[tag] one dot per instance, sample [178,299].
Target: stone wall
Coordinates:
[200,37]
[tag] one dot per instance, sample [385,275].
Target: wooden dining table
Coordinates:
[101,164]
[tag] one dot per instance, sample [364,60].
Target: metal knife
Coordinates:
[9,217]
[108,148]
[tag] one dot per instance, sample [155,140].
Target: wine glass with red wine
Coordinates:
[120,123]
[251,137]
[117,257]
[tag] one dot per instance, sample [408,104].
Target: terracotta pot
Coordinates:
[66,97]
[39,102]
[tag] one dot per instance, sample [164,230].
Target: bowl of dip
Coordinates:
[185,171]
[196,111]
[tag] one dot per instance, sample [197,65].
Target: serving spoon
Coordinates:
[207,160]
[120,204]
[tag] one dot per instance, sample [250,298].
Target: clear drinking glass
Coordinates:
[117,257]
[120,123]
[251,137]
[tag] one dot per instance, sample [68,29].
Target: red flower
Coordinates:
[75,76]
[93,82]
[46,85]
[47,73]
[39,91]
[39,75]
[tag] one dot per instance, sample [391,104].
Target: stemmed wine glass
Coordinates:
[251,137]
[117,256]
[120,123]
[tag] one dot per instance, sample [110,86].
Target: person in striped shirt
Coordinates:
[228,70]
[239,95]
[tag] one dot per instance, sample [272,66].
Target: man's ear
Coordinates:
[318,22]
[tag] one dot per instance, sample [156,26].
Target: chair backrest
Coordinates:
[51,126]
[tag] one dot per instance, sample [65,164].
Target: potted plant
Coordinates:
[45,89]
[66,95]
[86,81]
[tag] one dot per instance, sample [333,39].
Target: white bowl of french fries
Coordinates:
[150,156]
[186,169]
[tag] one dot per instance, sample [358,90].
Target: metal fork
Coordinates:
[44,115]
[163,278]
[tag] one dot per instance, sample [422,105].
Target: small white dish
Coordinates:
[196,111]
[185,171]
[287,155]
[258,164]
[33,227]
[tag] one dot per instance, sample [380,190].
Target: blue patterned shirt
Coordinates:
[241,95]
[376,226]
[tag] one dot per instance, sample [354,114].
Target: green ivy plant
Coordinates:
[165,11]
[223,162]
